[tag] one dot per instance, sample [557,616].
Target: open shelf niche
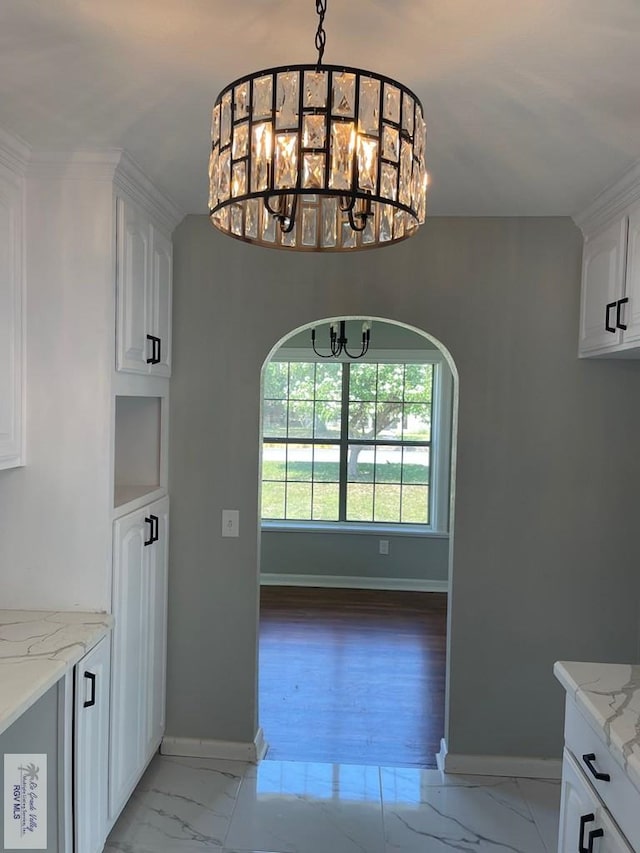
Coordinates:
[138,448]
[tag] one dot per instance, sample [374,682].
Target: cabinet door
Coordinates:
[159,322]
[91,754]
[128,660]
[157,628]
[631,311]
[603,269]
[10,323]
[133,236]
[582,816]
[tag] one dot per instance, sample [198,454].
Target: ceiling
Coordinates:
[532,106]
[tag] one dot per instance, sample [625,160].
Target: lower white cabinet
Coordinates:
[585,823]
[139,647]
[91,752]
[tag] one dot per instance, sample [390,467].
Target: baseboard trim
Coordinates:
[222,749]
[498,765]
[353,582]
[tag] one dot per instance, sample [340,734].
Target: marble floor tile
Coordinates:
[181,805]
[543,799]
[292,807]
[424,818]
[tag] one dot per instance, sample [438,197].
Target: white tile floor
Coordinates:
[191,804]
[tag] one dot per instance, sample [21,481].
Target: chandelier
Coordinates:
[320,158]
[338,341]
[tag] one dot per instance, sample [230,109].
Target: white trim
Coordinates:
[498,765]
[229,750]
[130,178]
[353,582]
[611,202]
[360,528]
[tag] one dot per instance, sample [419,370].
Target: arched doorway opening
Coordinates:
[356,521]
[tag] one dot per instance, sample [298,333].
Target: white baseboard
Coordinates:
[222,749]
[498,765]
[354,582]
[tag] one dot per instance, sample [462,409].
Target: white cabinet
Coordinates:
[11,298]
[91,753]
[585,824]
[139,646]
[610,297]
[144,280]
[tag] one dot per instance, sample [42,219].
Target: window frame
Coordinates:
[440,445]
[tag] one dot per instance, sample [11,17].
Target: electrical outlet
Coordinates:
[230,522]
[384,546]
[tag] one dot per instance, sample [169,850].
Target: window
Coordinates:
[355,441]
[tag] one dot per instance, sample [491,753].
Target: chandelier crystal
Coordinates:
[322,158]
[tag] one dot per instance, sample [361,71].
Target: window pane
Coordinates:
[359,502]
[416,465]
[299,462]
[300,420]
[276,380]
[325,501]
[390,382]
[360,462]
[361,420]
[301,380]
[274,461]
[299,500]
[274,418]
[415,504]
[387,503]
[327,420]
[362,381]
[417,422]
[329,381]
[326,463]
[389,421]
[273,500]
[388,464]
[418,383]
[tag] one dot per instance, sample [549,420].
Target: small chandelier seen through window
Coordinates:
[320,158]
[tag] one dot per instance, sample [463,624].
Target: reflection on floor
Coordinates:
[352,675]
[190,804]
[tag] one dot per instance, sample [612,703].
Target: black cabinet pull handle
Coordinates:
[160,347]
[595,833]
[149,520]
[156,529]
[619,324]
[155,350]
[607,325]
[588,759]
[92,680]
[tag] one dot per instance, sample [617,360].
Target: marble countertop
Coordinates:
[37,647]
[608,694]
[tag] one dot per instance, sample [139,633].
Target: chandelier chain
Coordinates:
[321,36]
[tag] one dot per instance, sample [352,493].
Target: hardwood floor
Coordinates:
[352,676]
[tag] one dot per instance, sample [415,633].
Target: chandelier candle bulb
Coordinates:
[322,158]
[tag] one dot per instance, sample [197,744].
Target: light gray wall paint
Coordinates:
[354,555]
[545,547]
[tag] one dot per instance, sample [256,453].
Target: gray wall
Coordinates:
[544,553]
[354,555]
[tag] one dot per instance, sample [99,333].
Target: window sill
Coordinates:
[378,529]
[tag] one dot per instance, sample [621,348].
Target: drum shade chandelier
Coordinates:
[320,158]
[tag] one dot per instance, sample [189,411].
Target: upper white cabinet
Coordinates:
[11,319]
[144,275]
[610,301]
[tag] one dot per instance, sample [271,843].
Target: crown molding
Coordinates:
[112,165]
[130,178]
[611,202]
[14,152]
